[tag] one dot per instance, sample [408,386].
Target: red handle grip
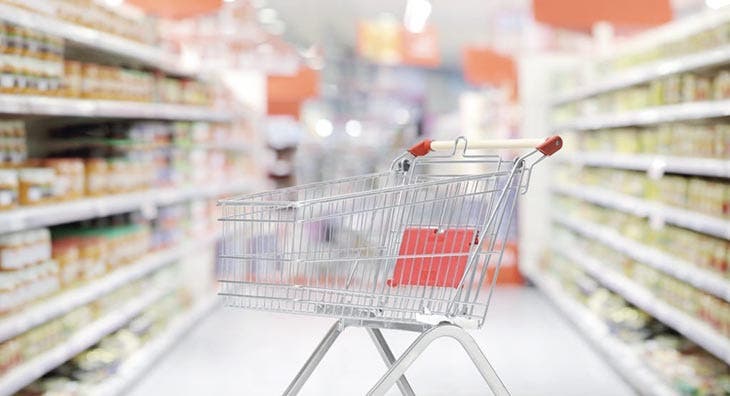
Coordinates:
[551,145]
[421,148]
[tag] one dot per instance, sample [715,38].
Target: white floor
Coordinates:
[236,352]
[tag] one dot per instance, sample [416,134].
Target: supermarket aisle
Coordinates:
[237,352]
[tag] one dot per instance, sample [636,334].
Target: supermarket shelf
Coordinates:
[55,306]
[678,268]
[82,209]
[96,40]
[651,115]
[652,71]
[639,207]
[644,162]
[620,355]
[28,372]
[127,374]
[701,333]
[69,107]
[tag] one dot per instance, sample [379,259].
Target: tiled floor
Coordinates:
[236,352]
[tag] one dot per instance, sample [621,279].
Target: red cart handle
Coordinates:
[548,146]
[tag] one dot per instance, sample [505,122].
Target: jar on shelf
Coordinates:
[69,177]
[96,176]
[66,253]
[35,185]
[8,189]
[11,248]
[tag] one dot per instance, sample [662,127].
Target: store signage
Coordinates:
[483,66]
[583,14]
[177,8]
[286,93]
[386,41]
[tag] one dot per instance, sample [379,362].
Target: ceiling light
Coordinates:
[114,3]
[353,128]
[323,127]
[717,4]
[416,15]
[229,1]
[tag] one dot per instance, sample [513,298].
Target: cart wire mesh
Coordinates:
[423,239]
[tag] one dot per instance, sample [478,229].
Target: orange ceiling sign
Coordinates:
[285,94]
[177,8]
[583,14]
[482,66]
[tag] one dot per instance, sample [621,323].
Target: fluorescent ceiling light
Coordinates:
[114,3]
[353,128]
[416,15]
[323,127]
[716,4]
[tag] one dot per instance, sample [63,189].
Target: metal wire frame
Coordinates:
[331,248]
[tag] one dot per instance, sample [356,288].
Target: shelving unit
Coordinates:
[697,277]
[57,305]
[67,107]
[644,162]
[701,333]
[652,71]
[93,39]
[143,359]
[28,372]
[620,355]
[146,201]
[710,24]
[643,208]
[649,116]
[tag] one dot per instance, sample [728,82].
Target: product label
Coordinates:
[7,197]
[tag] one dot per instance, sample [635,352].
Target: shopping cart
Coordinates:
[415,248]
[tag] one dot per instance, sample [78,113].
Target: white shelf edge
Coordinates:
[87,208]
[639,207]
[620,355]
[650,115]
[648,72]
[98,40]
[678,268]
[55,306]
[58,106]
[26,373]
[700,333]
[644,162]
[152,351]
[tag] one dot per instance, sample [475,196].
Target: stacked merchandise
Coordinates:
[642,224]
[107,225]
[90,369]
[34,63]
[686,367]
[96,16]
[114,158]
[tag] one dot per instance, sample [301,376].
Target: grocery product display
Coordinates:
[111,161]
[643,234]
[386,168]
[687,368]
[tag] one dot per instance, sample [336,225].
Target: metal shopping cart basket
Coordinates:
[415,248]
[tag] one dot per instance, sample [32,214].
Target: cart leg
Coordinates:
[314,359]
[389,358]
[423,341]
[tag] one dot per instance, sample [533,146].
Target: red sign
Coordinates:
[483,66]
[421,49]
[285,94]
[177,8]
[583,14]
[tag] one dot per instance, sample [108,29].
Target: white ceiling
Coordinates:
[500,23]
